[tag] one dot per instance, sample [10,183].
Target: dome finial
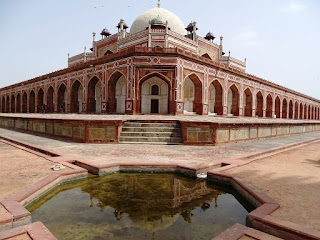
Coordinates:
[158,3]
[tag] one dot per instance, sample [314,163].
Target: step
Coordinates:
[151,129]
[153,143]
[151,139]
[139,124]
[151,134]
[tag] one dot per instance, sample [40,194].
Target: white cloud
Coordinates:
[295,8]
[249,38]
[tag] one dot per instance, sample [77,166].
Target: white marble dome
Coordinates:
[142,22]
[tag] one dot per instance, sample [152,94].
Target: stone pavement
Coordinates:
[196,118]
[101,154]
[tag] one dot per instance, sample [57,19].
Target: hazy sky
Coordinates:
[280,39]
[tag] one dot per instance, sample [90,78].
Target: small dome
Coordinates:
[142,22]
[105,32]
[210,36]
[158,21]
[125,26]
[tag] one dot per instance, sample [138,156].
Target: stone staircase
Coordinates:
[151,133]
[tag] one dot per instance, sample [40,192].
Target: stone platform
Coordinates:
[195,129]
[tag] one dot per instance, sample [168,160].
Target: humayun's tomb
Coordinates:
[161,67]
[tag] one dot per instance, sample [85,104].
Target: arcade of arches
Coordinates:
[155,94]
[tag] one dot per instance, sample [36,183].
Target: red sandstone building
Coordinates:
[159,66]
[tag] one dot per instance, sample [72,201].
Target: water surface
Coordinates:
[139,206]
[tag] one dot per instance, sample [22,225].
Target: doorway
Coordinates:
[154,105]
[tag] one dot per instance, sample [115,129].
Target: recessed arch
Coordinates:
[312,112]
[117,92]
[206,55]
[277,107]
[247,102]
[24,102]
[76,97]
[309,112]
[3,104]
[296,110]
[7,104]
[94,96]
[108,52]
[269,106]
[40,101]
[301,111]
[192,94]
[32,102]
[215,98]
[284,108]
[290,109]
[62,98]
[259,104]
[13,103]
[18,108]
[233,100]
[50,100]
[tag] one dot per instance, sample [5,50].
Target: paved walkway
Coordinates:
[196,118]
[107,153]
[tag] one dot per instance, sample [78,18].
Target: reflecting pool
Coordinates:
[139,206]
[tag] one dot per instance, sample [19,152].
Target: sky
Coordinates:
[280,39]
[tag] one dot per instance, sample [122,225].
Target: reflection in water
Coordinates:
[138,206]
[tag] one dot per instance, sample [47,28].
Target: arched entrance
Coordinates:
[296,110]
[3,105]
[301,111]
[24,102]
[247,103]
[62,99]
[94,96]
[309,112]
[117,91]
[50,103]
[312,112]
[32,102]
[18,108]
[269,106]
[40,101]
[284,108]
[13,102]
[277,107]
[8,104]
[76,97]
[154,96]
[259,104]
[233,100]
[215,98]
[192,94]
[290,109]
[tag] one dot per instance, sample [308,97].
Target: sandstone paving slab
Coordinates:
[292,179]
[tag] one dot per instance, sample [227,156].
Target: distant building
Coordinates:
[159,66]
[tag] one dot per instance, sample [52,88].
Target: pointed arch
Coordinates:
[62,98]
[76,97]
[284,108]
[13,103]
[193,93]
[301,111]
[309,112]
[277,107]
[269,106]
[117,91]
[32,102]
[40,101]
[24,102]
[18,108]
[305,112]
[50,100]
[233,100]
[94,95]
[215,97]
[206,55]
[296,110]
[8,104]
[247,102]
[290,109]
[259,104]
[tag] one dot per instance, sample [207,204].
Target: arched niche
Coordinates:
[94,96]
[233,100]
[192,94]
[76,97]
[215,98]
[117,92]
[154,96]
